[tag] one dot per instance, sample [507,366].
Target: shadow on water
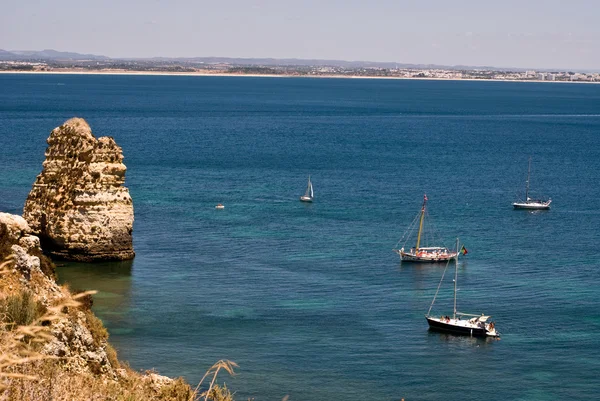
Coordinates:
[112,280]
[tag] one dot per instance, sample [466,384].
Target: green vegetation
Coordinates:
[20,309]
[96,328]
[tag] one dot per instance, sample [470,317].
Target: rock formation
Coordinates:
[79,206]
[33,272]
[61,347]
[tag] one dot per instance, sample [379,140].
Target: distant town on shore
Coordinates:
[67,62]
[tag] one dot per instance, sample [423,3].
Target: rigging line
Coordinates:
[429,230]
[439,285]
[408,231]
[435,235]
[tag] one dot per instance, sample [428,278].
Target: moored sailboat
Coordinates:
[308,194]
[472,325]
[529,203]
[419,253]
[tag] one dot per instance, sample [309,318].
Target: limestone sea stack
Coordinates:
[79,206]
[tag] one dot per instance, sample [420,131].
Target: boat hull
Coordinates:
[461,327]
[531,206]
[429,258]
[306,199]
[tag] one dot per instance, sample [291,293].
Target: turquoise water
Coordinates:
[309,299]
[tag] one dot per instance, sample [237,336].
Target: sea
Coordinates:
[308,298]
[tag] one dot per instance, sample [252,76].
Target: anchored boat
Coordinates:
[460,323]
[420,253]
[528,203]
[308,194]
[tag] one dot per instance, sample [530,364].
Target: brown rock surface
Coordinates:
[79,206]
[65,353]
[71,337]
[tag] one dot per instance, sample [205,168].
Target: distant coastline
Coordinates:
[53,61]
[209,73]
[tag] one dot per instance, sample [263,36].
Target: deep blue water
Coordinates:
[309,299]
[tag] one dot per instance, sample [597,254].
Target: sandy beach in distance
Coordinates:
[224,74]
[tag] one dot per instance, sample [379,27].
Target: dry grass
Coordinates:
[214,391]
[19,344]
[53,383]
[111,354]
[20,309]
[96,328]
[26,374]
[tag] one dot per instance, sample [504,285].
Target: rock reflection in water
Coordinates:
[112,280]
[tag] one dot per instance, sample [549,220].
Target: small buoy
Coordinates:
[220,206]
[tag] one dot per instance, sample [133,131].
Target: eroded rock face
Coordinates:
[79,206]
[74,347]
[71,336]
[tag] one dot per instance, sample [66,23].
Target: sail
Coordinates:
[309,189]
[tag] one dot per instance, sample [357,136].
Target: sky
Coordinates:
[525,33]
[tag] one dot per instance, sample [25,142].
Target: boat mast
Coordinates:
[455,278]
[527,182]
[421,222]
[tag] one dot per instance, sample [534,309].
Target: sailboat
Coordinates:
[533,204]
[423,254]
[308,195]
[472,325]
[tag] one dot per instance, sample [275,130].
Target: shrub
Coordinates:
[218,393]
[96,328]
[20,309]
[176,391]
[111,354]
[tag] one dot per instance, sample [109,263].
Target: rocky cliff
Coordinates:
[33,273]
[53,347]
[79,206]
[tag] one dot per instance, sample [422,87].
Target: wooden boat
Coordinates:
[418,253]
[308,194]
[529,203]
[472,325]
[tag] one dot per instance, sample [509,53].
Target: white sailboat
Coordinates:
[473,325]
[528,203]
[309,194]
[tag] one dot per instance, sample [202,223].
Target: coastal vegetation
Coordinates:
[53,347]
[29,372]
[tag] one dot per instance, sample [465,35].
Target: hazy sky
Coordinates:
[510,33]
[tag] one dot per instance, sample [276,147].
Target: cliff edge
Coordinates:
[79,206]
[52,346]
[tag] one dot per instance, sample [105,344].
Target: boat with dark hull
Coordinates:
[529,203]
[418,253]
[476,326]
[460,323]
